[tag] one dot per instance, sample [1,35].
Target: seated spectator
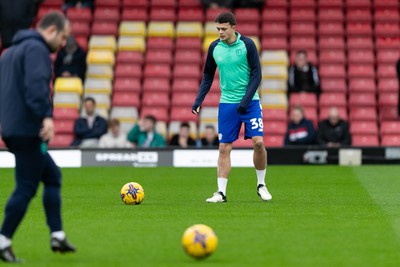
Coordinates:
[300,130]
[303,76]
[334,132]
[144,135]
[77,4]
[89,128]
[183,139]
[115,138]
[70,61]
[210,138]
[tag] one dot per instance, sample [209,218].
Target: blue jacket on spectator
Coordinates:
[25,75]
[82,130]
[300,134]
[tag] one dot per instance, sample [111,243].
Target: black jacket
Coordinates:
[300,81]
[77,66]
[204,142]
[175,141]
[25,75]
[300,134]
[82,130]
[336,134]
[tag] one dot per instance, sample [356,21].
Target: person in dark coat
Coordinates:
[91,127]
[303,76]
[70,61]
[210,138]
[300,130]
[334,132]
[183,139]
[26,118]
[77,4]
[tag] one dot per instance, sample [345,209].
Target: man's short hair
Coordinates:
[54,18]
[185,124]
[210,126]
[304,52]
[113,122]
[151,118]
[226,17]
[91,99]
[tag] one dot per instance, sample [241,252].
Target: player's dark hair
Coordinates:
[151,118]
[304,52]
[226,17]
[185,124]
[91,99]
[55,18]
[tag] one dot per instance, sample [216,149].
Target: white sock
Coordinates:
[60,235]
[261,176]
[4,242]
[222,185]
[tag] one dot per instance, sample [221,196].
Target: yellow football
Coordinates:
[132,193]
[199,241]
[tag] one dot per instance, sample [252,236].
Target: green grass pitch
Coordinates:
[319,216]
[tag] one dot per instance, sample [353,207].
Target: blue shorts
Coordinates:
[230,122]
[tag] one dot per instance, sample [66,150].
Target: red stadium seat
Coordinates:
[188,57]
[358,3]
[310,113]
[211,100]
[190,14]
[389,56]
[363,114]
[365,140]
[386,71]
[105,28]
[189,3]
[61,140]
[160,43]
[275,114]
[182,114]
[302,4]
[302,29]
[212,13]
[79,14]
[187,71]
[127,85]
[333,56]
[158,56]
[80,28]
[163,3]
[2,145]
[106,14]
[184,99]
[361,71]
[387,29]
[160,113]
[302,14]
[185,85]
[303,99]
[65,114]
[362,100]
[155,99]
[388,114]
[274,29]
[361,57]
[108,3]
[128,71]
[276,3]
[388,100]
[359,15]
[330,29]
[247,15]
[387,43]
[274,14]
[52,3]
[242,143]
[275,128]
[390,127]
[332,71]
[156,85]
[330,14]
[359,43]
[333,85]
[188,43]
[363,85]
[390,140]
[44,10]
[273,140]
[303,43]
[130,57]
[324,113]
[135,14]
[82,42]
[359,29]
[334,42]
[157,70]
[387,15]
[162,14]
[332,100]
[390,85]
[386,3]
[274,43]
[134,3]
[125,99]
[248,29]
[363,128]
[330,4]
[64,126]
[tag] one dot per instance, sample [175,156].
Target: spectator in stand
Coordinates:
[115,137]
[183,139]
[144,135]
[89,128]
[303,76]
[71,61]
[300,130]
[15,16]
[77,4]
[334,132]
[210,138]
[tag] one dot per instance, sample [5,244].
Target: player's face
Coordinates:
[296,116]
[57,39]
[226,32]
[89,107]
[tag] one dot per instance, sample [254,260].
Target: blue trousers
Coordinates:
[32,167]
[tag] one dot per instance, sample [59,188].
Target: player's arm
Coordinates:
[208,77]
[255,75]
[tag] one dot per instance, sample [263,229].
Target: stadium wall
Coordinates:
[73,158]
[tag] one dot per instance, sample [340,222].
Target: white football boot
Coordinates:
[262,191]
[216,198]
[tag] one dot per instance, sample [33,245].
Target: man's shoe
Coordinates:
[7,255]
[263,193]
[216,198]
[62,246]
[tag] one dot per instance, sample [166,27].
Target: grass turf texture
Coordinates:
[319,216]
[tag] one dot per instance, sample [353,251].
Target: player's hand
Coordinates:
[47,131]
[195,110]
[241,109]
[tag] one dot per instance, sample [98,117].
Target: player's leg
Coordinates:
[29,166]
[52,205]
